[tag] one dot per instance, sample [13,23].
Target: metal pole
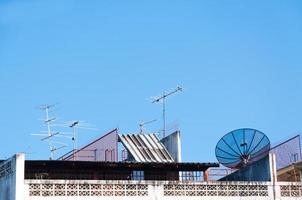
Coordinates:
[163,98]
[74,142]
[49,133]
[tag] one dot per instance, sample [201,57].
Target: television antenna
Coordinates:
[142,124]
[242,147]
[54,134]
[162,99]
[49,134]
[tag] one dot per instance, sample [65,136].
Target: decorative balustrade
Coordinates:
[163,189]
[215,190]
[93,189]
[293,190]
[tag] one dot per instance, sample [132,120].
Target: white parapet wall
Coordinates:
[159,190]
[12,178]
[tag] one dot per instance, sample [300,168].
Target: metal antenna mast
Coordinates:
[74,136]
[163,98]
[141,125]
[48,121]
[49,134]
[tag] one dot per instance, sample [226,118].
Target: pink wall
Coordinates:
[102,149]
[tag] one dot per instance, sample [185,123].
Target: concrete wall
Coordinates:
[12,178]
[173,145]
[262,170]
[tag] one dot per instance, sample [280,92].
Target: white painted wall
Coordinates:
[12,178]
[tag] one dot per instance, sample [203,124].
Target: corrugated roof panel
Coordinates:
[129,146]
[156,148]
[161,149]
[145,148]
[153,148]
[141,148]
[149,147]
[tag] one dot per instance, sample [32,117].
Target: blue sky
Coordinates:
[238,61]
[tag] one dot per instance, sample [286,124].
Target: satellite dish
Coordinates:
[242,147]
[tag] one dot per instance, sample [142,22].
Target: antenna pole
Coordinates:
[163,98]
[74,142]
[49,134]
[48,121]
[164,114]
[74,138]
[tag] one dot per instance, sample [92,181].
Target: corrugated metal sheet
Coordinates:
[145,148]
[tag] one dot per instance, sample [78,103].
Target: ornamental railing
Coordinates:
[161,189]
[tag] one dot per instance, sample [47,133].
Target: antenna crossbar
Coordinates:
[141,125]
[49,136]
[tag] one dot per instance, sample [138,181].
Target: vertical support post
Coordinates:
[164,115]
[273,172]
[206,175]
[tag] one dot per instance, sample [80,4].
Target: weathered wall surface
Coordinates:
[258,171]
[12,178]
[173,145]
[102,149]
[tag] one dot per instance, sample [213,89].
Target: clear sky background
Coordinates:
[238,61]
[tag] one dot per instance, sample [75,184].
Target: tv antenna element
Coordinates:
[49,134]
[162,99]
[141,125]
